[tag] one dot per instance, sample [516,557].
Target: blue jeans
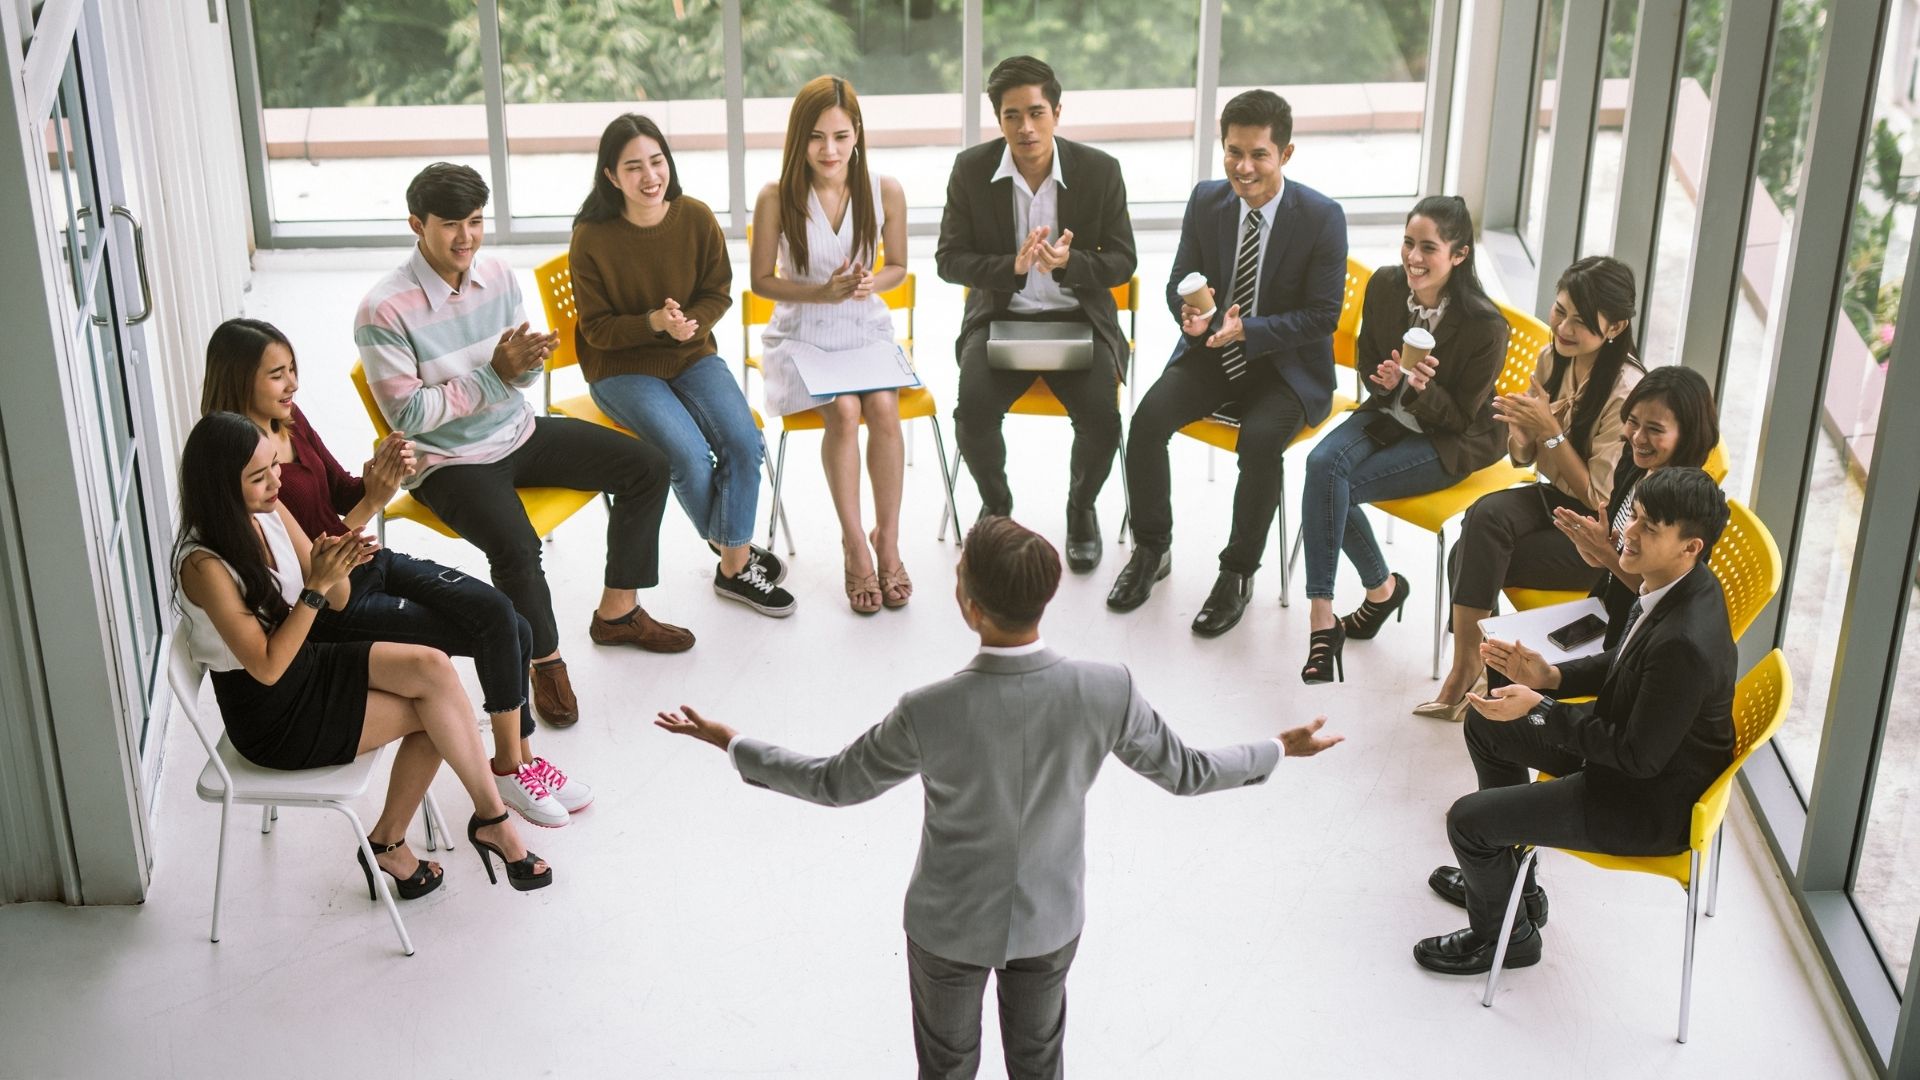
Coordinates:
[412,601]
[1346,471]
[700,420]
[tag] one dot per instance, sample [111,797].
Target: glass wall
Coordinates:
[1886,882]
[1673,259]
[1533,205]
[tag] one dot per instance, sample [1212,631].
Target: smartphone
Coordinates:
[1578,632]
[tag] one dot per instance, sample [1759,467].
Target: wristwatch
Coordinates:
[314,600]
[1537,715]
[1552,441]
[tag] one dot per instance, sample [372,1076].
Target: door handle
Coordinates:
[140,263]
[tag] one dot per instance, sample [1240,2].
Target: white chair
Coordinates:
[231,780]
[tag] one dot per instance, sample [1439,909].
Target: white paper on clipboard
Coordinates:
[880,366]
[1531,628]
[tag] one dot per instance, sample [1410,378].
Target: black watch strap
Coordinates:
[313,599]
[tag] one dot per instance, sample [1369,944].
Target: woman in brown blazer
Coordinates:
[1423,428]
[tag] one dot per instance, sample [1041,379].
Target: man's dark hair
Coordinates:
[1017,71]
[1259,108]
[447,191]
[1010,571]
[1687,498]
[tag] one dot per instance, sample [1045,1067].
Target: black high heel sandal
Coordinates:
[422,881]
[1323,656]
[1367,620]
[520,873]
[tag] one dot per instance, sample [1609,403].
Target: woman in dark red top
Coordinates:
[251,370]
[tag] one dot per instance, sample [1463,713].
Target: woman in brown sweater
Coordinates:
[651,277]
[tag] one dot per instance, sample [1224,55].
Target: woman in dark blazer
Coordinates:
[1423,428]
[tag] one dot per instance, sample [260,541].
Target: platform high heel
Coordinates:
[520,873]
[423,880]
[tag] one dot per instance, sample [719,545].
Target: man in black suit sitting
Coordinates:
[1631,763]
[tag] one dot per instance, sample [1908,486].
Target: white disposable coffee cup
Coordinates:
[1415,346]
[1193,289]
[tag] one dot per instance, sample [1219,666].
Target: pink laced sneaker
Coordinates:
[574,795]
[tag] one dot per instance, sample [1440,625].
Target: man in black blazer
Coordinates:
[1275,255]
[1631,763]
[1037,227]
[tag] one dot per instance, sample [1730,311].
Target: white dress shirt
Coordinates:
[1647,602]
[1260,260]
[1032,209]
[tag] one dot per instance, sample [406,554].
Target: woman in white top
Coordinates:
[251,584]
[821,229]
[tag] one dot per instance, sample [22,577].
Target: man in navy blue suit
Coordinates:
[1275,255]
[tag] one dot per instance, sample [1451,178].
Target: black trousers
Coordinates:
[479,503]
[1191,388]
[1509,812]
[946,1013]
[1508,540]
[1091,398]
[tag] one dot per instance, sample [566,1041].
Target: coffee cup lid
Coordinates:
[1418,337]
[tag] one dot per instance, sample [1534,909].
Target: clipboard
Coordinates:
[880,366]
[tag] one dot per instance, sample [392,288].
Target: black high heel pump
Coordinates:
[1367,620]
[520,873]
[420,883]
[1323,656]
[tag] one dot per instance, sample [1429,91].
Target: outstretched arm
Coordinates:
[1149,747]
[882,758]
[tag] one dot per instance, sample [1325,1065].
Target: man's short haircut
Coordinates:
[447,191]
[1685,497]
[1259,108]
[1016,71]
[1010,571]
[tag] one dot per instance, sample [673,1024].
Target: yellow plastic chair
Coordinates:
[546,507]
[555,279]
[1760,704]
[1528,599]
[1039,400]
[1432,511]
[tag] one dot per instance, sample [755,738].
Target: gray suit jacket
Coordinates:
[1006,751]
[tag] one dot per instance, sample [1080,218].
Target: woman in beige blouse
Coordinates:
[1567,426]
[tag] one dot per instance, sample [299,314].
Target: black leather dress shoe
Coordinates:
[1452,887]
[1467,952]
[1225,604]
[1144,567]
[1083,540]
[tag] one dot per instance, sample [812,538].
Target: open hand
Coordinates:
[520,350]
[391,463]
[1304,742]
[841,284]
[1505,703]
[334,557]
[1592,540]
[670,320]
[1387,375]
[1029,252]
[1231,329]
[1527,411]
[699,727]
[1422,373]
[1518,663]
[1052,257]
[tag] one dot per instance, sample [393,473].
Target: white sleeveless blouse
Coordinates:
[203,638]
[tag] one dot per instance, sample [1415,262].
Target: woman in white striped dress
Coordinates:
[819,232]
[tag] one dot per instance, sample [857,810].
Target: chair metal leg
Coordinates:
[953,473]
[380,527]
[1126,493]
[220,869]
[946,480]
[379,880]
[906,432]
[267,817]
[438,838]
[779,514]
[1693,924]
[1713,876]
[1280,541]
[1506,926]
[1439,594]
[1209,464]
[1299,537]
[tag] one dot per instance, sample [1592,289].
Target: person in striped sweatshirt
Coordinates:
[447,349]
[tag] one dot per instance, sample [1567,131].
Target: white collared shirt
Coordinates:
[1032,209]
[436,287]
[1648,600]
[1266,233]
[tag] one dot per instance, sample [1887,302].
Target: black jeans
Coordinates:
[1192,388]
[1508,540]
[1091,398]
[479,503]
[415,602]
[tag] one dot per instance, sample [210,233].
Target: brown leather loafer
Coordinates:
[553,694]
[642,630]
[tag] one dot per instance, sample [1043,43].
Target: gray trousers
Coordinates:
[946,1013]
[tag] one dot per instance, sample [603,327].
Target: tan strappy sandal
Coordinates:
[892,580]
[864,593]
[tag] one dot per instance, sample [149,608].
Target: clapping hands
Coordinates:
[668,319]
[391,463]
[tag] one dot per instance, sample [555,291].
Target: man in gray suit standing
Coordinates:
[1006,751]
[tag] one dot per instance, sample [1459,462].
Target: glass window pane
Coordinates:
[1673,259]
[1886,884]
[358,95]
[1355,73]
[1134,103]
[1533,206]
[1603,177]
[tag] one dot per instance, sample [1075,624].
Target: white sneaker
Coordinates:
[572,794]
[527,795]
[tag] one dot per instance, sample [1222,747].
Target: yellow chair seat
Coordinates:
[916,402]
[583,407]
[546,509]
[1434,510]
[1528,599]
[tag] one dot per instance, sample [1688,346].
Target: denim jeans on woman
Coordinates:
[700,420]
[412,601]
[1346,471]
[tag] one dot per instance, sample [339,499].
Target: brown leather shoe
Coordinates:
[553,694]
[642,630]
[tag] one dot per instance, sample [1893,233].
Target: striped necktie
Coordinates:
[1233,358]
[1634,611]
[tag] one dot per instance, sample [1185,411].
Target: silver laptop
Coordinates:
[1039,346]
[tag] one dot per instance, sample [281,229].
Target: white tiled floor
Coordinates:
[701,928]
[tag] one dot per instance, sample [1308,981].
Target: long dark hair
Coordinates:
[1686,394]
[213,515]
[1601,287]
[234,353]
[796,174]
[605,202]
[1454,222]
